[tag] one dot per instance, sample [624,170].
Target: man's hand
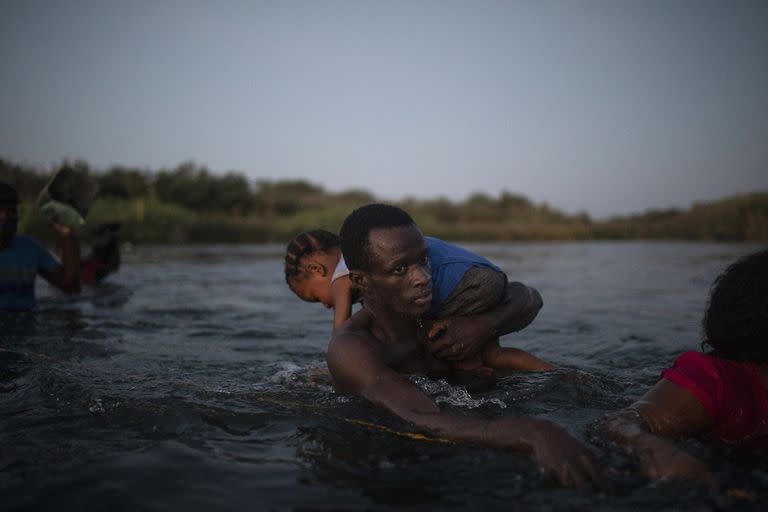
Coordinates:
[458,337]
[561,457]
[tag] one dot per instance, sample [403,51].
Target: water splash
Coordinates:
[291,375]
[444,393]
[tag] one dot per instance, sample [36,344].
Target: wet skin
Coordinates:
[314,284]
[368,352]
[399,278]
[398,288]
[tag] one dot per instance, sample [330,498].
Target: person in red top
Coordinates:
[721,395]
[104,258]
[733,393]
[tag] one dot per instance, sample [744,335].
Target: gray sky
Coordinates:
[604,106]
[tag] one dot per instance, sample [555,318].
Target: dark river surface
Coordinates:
[193,380]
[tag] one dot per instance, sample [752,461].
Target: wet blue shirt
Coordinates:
[448,263]
[19,265]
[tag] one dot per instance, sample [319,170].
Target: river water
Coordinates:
[193,380]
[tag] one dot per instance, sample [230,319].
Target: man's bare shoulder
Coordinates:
[352,353]
[354,332]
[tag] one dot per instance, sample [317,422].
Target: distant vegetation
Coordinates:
[190,204]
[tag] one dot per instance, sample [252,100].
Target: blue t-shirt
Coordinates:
[448,263]
[19,265]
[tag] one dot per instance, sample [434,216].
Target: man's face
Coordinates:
[399,277]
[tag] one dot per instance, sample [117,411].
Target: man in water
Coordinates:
[22,258]
[388,260]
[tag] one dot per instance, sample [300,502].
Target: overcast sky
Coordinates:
[604,106]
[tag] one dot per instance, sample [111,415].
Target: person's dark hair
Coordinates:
[736,320]
[106,246]
[355,242]
[8,194]
[304,244]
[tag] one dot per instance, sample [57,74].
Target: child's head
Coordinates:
[736,320]
[310,260]
[105,240]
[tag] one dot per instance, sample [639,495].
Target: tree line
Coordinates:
[191,204]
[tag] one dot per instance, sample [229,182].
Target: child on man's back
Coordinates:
[315,271]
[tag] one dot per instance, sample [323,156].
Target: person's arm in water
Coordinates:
[66,276]
[341,291]
[357,369]
[458,337]
[647,430]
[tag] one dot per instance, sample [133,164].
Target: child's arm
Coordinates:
[647,430]
[341,290]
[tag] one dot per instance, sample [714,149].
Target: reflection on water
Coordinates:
[194,379]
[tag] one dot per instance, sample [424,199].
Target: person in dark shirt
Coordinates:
[22,258]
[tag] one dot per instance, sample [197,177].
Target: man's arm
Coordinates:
[459,337]
[66,276]
[356,369]
[647,430]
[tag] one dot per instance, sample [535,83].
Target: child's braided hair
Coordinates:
[305,244]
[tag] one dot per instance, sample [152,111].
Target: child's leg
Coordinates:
[498,357]
[469,364]
[480,289]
